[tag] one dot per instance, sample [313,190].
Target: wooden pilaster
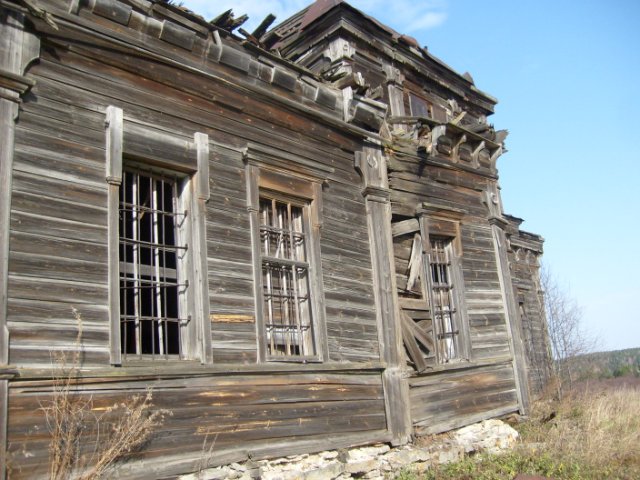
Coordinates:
[372,166]
[202,195]
[114,139]
[18,48]
[498,224]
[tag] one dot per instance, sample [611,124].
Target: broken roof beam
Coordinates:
[227,21]
[222,19]
[264,26]
[254,37]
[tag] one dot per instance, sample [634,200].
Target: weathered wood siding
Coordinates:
[483,383]
[524,259]
[58,248]
[58,256]
[243,415]
[427,99]
[414,180]
[443,401]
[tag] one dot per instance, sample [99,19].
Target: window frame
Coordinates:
[143,147]
[182,280]
[303,317]
[287,176]
[441,223]
[441,295]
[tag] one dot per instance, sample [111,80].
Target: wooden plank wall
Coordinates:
[529,297]
[412,183]
[58,256]
[58,260]
[447,400]
[241,415]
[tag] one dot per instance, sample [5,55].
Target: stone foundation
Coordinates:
[375,462]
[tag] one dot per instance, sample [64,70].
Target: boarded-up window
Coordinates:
[287,311]
[150,255]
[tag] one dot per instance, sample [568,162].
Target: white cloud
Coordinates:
[427,21]
[405,16]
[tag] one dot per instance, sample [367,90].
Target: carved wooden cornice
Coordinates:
[20,84]
[440,211]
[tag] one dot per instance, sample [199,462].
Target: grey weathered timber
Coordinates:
[114,125]
[253,207]
[524,252]
[372,166]
[513,329]
[8,113]
[202,195]
[232,122]
[18,49]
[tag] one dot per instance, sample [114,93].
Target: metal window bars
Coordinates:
[285,277]
[444,310]
[150,286]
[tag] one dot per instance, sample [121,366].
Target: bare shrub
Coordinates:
[134,423]
[567,334]
[122,428]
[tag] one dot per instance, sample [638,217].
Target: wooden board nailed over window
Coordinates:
[228,318]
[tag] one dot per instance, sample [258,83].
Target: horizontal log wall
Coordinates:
[236,416]
[446,400]
[412,183]
[58,261]
[525,271]
[58,248]
[448,397]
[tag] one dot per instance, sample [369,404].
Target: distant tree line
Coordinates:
[618,363]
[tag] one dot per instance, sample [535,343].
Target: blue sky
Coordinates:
[567,75]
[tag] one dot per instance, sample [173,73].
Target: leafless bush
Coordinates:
[567,334]
[72,422]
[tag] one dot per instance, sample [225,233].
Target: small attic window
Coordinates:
[419,106]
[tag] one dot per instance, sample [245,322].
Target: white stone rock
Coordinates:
[216,473]
[491,436]
[362,466]
[328,472]
[405,456]
[448,455]
[329,454]
[373,475]
[366,453]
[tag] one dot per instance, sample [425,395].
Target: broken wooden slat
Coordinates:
[423,337]
[410,343]
[249,36]
[222,19]
[404,227]
[415,262]
[413,303]
[264,26]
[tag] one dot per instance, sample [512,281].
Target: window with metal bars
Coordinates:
[443,307]
[288,322]
[151,252]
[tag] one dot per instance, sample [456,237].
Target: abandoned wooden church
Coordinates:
[294,236]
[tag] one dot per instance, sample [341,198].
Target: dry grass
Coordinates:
[591,434]
[598,428]
[73,423]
